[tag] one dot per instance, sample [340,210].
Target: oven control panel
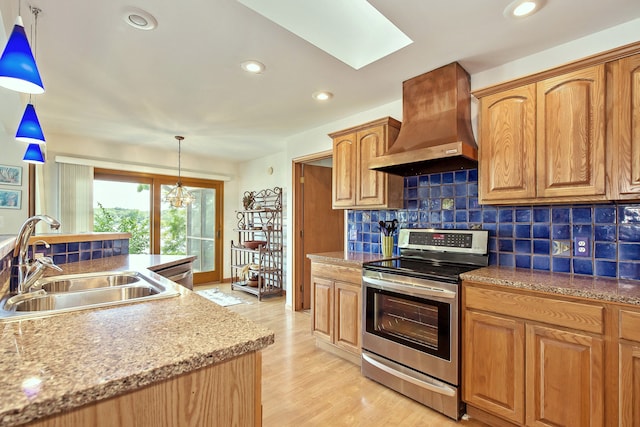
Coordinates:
[441,239]
[464,241]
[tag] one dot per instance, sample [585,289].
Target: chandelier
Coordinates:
[179,196]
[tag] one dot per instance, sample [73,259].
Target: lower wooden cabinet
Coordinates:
[494,358]
[522,364]
[336,305]
[564,377]
[629,368]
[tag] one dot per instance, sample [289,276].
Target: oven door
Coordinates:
[412,322]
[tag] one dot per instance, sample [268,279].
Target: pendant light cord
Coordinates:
[179,138]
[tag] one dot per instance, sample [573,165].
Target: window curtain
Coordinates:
[76,198]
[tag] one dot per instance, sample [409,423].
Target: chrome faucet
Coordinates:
[31,270]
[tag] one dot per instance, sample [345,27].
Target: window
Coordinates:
[133,202]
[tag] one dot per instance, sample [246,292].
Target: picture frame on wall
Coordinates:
[10,199]
[10,175]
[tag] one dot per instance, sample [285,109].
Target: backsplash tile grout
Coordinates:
[539,237]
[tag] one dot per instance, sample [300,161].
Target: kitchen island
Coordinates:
[179,361]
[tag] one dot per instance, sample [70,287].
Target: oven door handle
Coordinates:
[422,290]
[436,388]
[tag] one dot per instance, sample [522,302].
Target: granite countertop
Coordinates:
[592,288]
[122,263]
[58,363]
[345,258]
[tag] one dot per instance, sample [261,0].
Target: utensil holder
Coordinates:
[387,246]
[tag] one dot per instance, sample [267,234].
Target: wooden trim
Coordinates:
[313,157]
[297,220]
[610,368]
[72,238]
[599,58]
[322,344]
[297,241]
[389,121]
[487,418]
[549,200]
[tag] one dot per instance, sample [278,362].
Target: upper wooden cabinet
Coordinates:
[354,185]
[570,135]
[624,128]
[507,151]
[544,141]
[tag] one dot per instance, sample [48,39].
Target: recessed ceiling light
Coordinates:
[523,8]
[252,66]
[139,19]
[322,95]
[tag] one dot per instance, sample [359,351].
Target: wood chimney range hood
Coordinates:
[436,133]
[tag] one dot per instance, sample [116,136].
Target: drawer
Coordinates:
[584,317]
[630,325]
[337,272]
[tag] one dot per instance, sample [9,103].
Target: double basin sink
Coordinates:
[60,294]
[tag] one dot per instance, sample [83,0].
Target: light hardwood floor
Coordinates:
[305,386]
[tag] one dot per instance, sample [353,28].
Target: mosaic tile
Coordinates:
[536,237]
[523,261]
[541,215]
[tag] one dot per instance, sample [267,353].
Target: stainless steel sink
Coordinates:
[60,294]
[81,282]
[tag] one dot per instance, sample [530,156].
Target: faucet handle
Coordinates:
[33,247]
[47,262]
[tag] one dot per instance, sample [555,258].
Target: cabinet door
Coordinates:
[347,310]
[322,308]
[507,152]
[494,364]
[343,171]
[571,134]
[371,185]
[629,383]
[564,378]
[626,127]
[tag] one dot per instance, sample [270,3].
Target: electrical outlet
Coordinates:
[581,247]
[353,234]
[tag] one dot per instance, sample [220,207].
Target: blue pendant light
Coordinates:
[33,154]
[18,69]
[29,129]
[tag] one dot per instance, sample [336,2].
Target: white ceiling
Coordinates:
[109,82]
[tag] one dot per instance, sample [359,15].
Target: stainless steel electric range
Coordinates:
[411,315]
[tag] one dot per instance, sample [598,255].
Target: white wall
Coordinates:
[137,155]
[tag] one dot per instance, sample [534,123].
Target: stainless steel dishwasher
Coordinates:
[182,273]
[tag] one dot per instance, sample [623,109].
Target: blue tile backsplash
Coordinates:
[533,237]
[63,253]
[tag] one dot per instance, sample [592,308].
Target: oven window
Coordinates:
[416,322]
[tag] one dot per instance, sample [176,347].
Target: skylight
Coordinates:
[352,31]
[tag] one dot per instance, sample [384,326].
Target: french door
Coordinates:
[193,230]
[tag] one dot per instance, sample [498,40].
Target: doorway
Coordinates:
[317,227]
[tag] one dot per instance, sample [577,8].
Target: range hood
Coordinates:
[436,133]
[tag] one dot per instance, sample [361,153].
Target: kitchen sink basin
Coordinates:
[80,282]
[60,294]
